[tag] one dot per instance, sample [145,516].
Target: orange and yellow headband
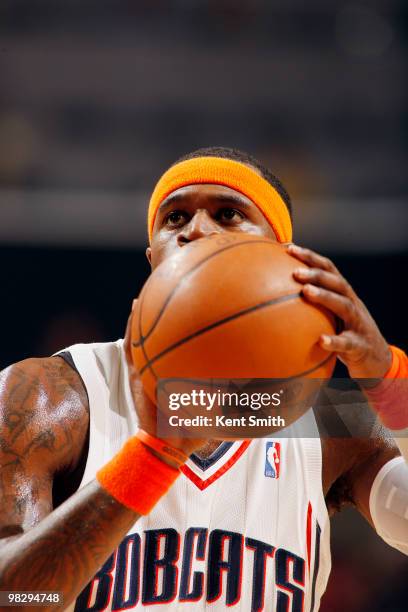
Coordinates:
[220,171]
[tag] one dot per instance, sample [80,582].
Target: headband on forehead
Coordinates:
[220,171]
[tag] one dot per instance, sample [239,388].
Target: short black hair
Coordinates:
[245,158]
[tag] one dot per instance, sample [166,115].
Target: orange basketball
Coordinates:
[226,307]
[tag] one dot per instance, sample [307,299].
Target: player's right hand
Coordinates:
[146,410]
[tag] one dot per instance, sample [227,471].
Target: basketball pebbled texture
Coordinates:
[227,306]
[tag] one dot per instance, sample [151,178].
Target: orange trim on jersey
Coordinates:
[220,171]
[203,484]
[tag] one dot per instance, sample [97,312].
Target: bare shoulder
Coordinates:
[43,431]
[43,412]
[350,466]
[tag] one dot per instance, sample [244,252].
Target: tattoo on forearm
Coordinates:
[65,555]
[43,423]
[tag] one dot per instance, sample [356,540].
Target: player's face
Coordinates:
[198,211]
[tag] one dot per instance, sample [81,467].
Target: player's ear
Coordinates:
[149,255]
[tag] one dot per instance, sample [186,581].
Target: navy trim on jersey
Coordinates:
[209,461]
[66,355]
[316,565]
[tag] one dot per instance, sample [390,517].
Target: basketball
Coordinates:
[228,307]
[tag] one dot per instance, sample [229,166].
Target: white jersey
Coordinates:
[246,529]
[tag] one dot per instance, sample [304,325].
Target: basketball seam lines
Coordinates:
[203,330]
[173,291]
[283,379]
[140,335]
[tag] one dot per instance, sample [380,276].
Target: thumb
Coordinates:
[128,332]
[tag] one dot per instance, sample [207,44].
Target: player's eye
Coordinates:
[175,218]
[228,215]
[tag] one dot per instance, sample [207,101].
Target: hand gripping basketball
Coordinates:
[146,410]
[227,308]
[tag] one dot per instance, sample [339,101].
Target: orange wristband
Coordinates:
[399,364]
[162,447]
[389,398]
[136,478]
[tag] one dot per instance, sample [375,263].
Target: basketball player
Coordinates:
[97,508]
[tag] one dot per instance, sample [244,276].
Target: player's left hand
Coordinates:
[360,345]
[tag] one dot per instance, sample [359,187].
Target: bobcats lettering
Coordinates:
[158,575]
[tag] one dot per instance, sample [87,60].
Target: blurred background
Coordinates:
[97,98]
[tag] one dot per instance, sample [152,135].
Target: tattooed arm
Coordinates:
[43,431]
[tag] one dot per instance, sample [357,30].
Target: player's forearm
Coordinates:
[388,397]
[65,550]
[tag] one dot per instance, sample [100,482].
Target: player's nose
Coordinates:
[201,225]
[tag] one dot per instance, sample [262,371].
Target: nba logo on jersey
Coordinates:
[272,459]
